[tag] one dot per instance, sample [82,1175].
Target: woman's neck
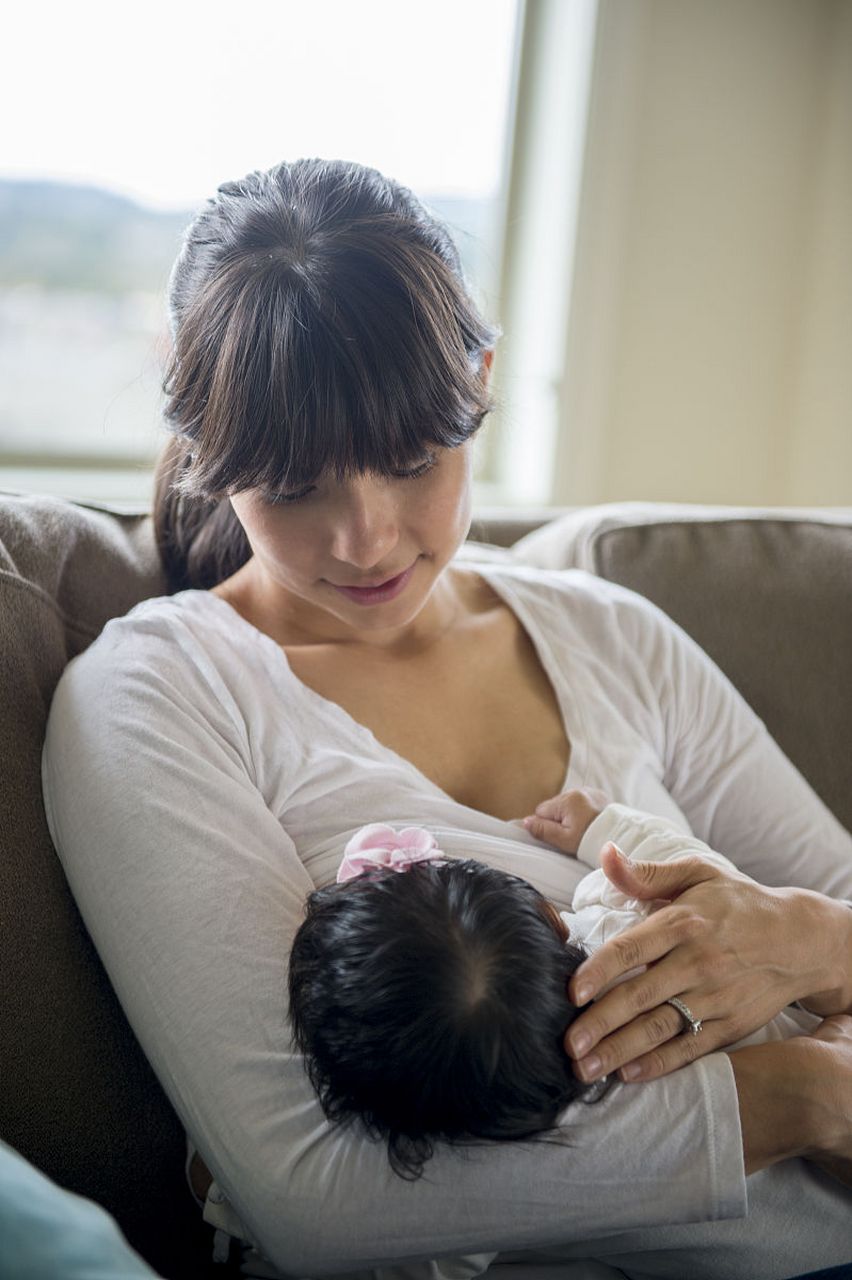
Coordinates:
[293,622]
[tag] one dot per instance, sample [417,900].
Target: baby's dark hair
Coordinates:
[433,1003]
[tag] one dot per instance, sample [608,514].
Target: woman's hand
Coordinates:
[734,951]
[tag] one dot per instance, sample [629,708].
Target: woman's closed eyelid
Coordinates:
[282,499]
[419,470]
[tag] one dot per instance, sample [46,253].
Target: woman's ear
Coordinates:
[487,361]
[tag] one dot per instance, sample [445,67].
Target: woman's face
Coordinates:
[359,533]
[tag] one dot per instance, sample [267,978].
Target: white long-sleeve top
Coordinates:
[197,790]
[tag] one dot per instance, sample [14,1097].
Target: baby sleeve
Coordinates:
[600,910]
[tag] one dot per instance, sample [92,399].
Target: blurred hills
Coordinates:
[66,236]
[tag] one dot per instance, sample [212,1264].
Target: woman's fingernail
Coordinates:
[631,1071]
[591,1066]
[528,822]
[584,993]
[581,1042]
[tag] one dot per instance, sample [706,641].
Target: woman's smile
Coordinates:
[383,591]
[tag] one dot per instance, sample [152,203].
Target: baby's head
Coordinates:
[433,1004]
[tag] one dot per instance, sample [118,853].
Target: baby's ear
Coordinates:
[556,919]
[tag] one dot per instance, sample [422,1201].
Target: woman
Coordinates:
[325,664]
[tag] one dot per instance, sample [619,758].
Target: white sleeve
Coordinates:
[642,836]
[192,893]
[732,781]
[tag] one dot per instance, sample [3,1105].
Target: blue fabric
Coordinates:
[51,1234]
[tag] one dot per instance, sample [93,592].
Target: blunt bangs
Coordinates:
[344,357]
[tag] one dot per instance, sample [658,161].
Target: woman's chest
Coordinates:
[479,718]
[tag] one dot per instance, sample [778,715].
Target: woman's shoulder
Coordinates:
[576,594]
[165,641]
[539,579]
[166,670]
[163,623]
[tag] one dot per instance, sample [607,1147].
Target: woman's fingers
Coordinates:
[631,1019]
[686,1047]
[642,944]
[836,1029]
[676,1052]
[655,879]
[635,1041]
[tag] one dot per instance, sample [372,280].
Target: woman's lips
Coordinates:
[378,595]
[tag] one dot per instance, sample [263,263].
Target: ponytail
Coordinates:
[200,540]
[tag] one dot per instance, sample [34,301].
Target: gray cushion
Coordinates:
[78,1098]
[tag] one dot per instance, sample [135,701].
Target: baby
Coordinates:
[433,1004]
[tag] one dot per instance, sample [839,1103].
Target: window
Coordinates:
[118,140]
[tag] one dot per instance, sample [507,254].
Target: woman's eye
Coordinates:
[281,499]
[419,471]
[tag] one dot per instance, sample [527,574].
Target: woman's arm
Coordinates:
[795,1099]
[192,892]
[745,799]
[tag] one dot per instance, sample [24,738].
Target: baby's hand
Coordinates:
[564,820]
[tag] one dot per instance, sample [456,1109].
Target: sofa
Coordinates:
[768,593]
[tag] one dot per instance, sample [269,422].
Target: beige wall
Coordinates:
[709,347]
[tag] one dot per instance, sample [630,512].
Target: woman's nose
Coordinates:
[366,524]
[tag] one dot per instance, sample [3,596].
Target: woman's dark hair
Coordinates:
[433,1004]
[320,322]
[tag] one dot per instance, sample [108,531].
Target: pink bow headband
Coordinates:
[378,845]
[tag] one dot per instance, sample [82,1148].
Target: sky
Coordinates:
[163,101]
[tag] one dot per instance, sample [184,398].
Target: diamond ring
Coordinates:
[694,1024]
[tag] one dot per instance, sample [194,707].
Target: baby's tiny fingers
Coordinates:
[555,808]
[551,833]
